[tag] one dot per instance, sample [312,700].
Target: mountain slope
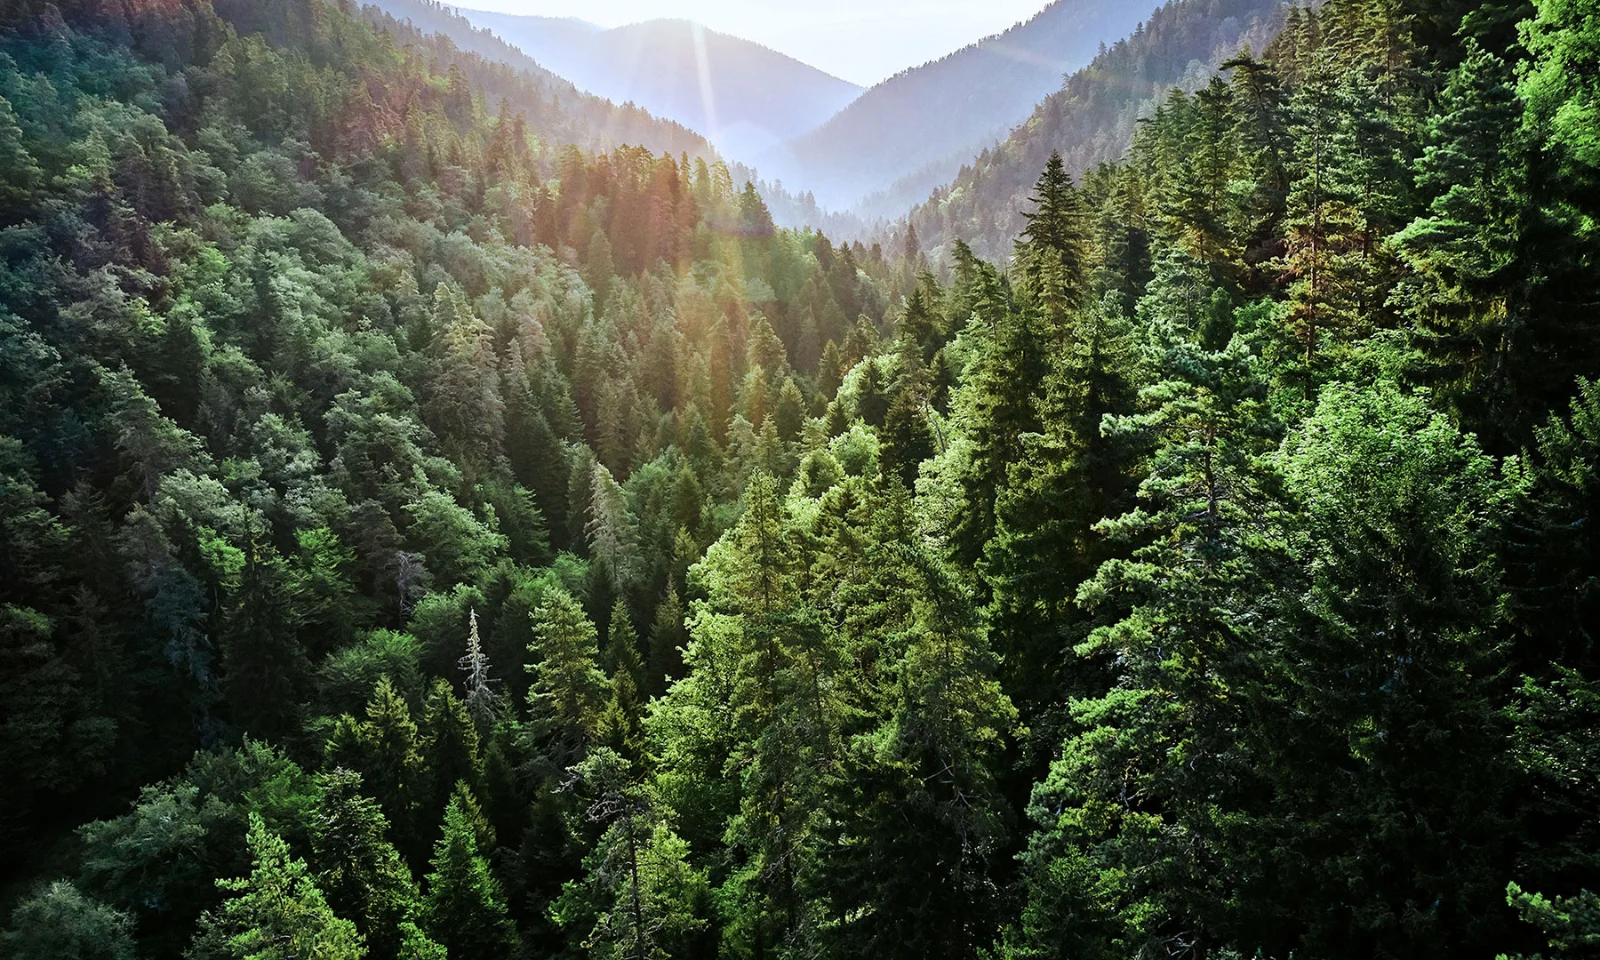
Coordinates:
[744,97]
[925,122]
[1092,117]
[557,110]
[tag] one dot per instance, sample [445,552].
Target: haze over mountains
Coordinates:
[952,141]
[745,98]
[914,131]
[879,151]
[1091,119]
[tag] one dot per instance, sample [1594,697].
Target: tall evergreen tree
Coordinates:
[275,913]
[568,695]
[465,908]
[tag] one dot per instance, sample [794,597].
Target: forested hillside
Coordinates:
[424,538]
[564,114]
[1090,120]
[506,72]
[923,123]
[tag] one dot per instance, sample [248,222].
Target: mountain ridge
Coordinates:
[744,96]
[905,126]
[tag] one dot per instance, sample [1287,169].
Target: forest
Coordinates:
[433,528]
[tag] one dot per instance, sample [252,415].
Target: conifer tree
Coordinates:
[357,867]
[907,438]
[451,742]
[1073,475]
[568,695]
[625,708]
[62,922]
[921,788]
[640,897]
[1053,255]
[24,172]
[994,408]
[482,700]
[386,750]
[1167,733]
[465,908]
[275,913]
[667,638]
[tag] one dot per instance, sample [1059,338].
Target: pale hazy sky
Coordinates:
[863,41]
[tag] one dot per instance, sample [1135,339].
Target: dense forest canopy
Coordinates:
[428,532]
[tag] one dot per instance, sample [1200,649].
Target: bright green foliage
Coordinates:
[386,750]
[415,945]
[1386,676]
[275,913]
[640,894]
[568,696]
[1216,578]
[1572,924]
[465,909]
[1560,87]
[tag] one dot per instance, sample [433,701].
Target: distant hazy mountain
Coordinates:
[913,131]
[558,111]
[1093,116]
[742,96]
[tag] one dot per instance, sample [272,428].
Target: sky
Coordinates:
[862,41]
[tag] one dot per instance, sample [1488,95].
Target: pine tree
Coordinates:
[464,404]
[265,665]
[1053,255]
[994,407]
[22,171]
[906,437]
[612,531]
[483,701]
[451,743]
[1496,289]
[386,749]
[1073,475]
[1322,228]
[1152,770]
[641,898]
[61,922]
[620,727]
[920,790]
[667,638]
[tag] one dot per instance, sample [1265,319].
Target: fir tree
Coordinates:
[568,695]
[357,867]
[275,913]
[465,909]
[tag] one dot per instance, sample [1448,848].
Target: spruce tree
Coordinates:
[569,691]
[357,867]
[1053,256]
[465,909]
[275,913]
